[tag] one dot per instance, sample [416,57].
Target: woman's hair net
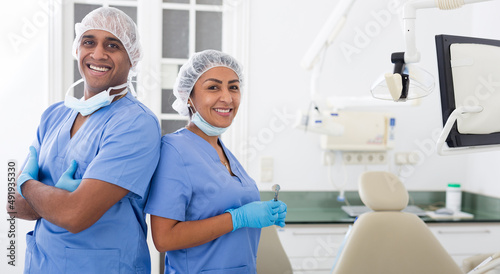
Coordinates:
[115,22]
[198,64]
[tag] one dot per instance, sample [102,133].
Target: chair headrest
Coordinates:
[382,191]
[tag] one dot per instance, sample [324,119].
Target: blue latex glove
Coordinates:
[256,214]
[30,171]
[281,214]
[67,181]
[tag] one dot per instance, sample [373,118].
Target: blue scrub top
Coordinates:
[191,184]
[118,144]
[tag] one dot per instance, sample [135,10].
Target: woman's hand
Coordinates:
[259,214]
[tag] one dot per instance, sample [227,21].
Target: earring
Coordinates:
[190,105]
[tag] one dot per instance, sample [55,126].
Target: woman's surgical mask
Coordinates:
[204,126]
[89,106]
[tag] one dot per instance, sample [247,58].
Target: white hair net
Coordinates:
[198,64]
[115,22]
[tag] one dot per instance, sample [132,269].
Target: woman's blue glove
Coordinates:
[30,171]
[256,214]
[281,214]
[67,180]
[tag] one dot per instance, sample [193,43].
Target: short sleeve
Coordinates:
[171,190]
[128,154]
[45,123]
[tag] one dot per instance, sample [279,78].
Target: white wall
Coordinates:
[279,87]
[23,94]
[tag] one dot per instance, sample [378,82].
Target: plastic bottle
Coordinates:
[454,197]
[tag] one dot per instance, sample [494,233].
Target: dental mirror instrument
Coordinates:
[276,189]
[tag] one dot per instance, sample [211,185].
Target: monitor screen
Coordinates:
[469,75]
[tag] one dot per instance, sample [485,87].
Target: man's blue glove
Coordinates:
[30,171]
[256,214]
[281,214]
[67,180]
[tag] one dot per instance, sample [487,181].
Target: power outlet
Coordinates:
[376,158]
[364,158]
[406,158]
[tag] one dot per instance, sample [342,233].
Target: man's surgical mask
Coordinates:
[89,106]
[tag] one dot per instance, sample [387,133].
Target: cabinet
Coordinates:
[463,240]
[313,248]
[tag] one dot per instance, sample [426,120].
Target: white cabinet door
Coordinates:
[463,240]
[312,248]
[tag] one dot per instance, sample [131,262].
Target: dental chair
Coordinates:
[482,263]
[271,257]
[388,240]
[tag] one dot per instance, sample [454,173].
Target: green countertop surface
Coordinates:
[322,207]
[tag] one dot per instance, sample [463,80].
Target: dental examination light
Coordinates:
[318,121]
[407,81]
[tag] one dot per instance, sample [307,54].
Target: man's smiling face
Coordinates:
[103,61]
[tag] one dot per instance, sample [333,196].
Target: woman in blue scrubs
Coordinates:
[205,210]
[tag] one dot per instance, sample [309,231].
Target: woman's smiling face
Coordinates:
[216,96]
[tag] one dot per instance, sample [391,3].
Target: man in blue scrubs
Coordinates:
[87,177]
